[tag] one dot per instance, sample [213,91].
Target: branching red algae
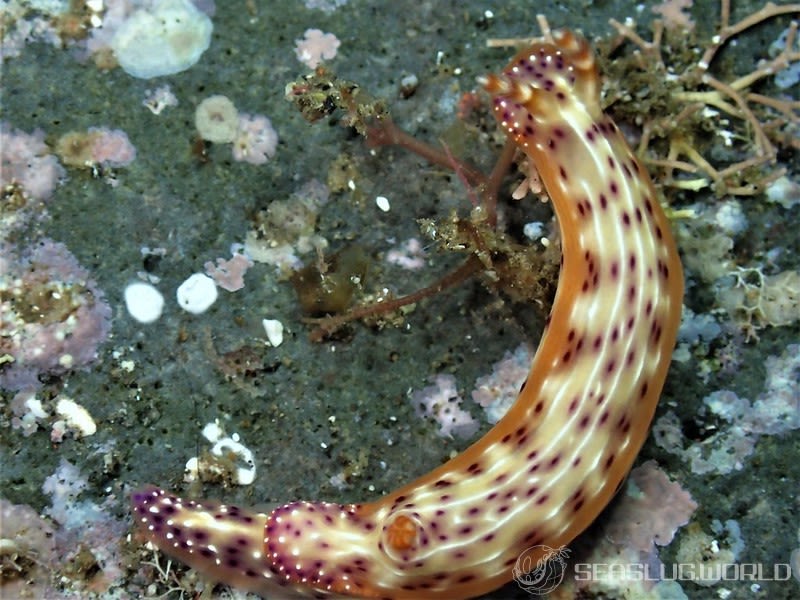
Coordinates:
[491,252]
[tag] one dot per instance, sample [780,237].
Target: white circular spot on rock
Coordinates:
[383,203]
[274,330]
[143,301]
[197,293]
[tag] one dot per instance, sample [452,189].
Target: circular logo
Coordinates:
[540,569]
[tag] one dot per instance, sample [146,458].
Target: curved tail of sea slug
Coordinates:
[547,469]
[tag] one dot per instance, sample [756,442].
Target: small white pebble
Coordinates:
[144,302]
[35,408]
[274,330]
[76,417]
[191,470]
[533,230]
[213,432]
[383,203]
[197,293]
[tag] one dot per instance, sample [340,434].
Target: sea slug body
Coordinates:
[548,468]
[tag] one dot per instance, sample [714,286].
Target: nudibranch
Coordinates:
[547,469]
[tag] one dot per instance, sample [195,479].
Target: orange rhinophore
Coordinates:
[552,464]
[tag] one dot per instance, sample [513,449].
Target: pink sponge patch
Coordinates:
[651,511]
[111,147]
[54,315]
[25,160]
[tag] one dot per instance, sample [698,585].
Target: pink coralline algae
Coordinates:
[229,274]
[86,530]
[73,551]
[54,317]
[111,147]
[20,32]
[623,550]
[499,390]
[25,160]
[673,15]
[738,423]
[327,6]
[256,140]
[441,403]
[409,255]
[315,47]
[28,552]
[651,510]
